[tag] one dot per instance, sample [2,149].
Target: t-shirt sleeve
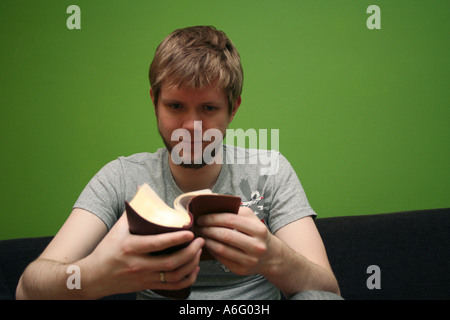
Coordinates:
[289,202]
[102,195]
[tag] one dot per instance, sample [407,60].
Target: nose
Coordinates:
[193,123]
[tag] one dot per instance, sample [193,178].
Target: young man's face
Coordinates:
[195,111]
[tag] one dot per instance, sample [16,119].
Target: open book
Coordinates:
[148,214]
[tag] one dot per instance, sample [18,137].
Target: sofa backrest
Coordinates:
[409,253]
[15,255]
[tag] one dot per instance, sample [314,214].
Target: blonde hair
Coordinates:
[196,57]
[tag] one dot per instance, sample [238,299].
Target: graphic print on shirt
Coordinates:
[254,198]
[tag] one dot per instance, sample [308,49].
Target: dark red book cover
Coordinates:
[198,205]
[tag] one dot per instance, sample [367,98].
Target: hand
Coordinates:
[241,242]
[121,262]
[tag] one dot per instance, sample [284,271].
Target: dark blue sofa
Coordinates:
[410,252]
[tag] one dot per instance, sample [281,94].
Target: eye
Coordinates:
[209,108]
[175,106]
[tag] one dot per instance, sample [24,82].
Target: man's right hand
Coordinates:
[122,263]
[110,262]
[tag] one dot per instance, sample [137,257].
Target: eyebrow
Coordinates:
[170,101]
[176,101]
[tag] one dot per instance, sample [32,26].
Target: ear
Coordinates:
[235,109]
[152,97]
[153,101]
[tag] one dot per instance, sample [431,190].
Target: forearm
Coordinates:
[293,258]
[292,273]
[47,279]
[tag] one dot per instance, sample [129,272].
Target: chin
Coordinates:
[193,164]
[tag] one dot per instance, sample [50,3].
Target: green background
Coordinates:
[363,114]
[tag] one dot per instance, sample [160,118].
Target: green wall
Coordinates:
[363,114]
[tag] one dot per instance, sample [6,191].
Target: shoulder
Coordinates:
[131,163]
[140,160]
[253,156]
[142,157]
[268,162]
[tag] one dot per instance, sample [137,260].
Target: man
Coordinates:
[272,245]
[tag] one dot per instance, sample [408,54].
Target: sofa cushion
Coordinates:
[5,293]
[411,249]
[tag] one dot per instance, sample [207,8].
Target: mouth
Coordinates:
[193,142]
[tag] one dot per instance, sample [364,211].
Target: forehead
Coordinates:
[180,92]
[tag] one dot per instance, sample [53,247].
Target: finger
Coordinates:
[183,271]
[181,278]
[227,236]
[177,259]
[183,283]
[227,220]
[232,244]
[155,243]
[246,221]
[221,249]
[234,259]
[246,226]
[246,211]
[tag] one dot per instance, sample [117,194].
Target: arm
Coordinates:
[46,276]
[110,262]
[245,246]
[301,246]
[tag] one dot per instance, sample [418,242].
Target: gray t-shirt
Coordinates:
[264,180]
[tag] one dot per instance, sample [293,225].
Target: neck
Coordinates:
[191,179]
